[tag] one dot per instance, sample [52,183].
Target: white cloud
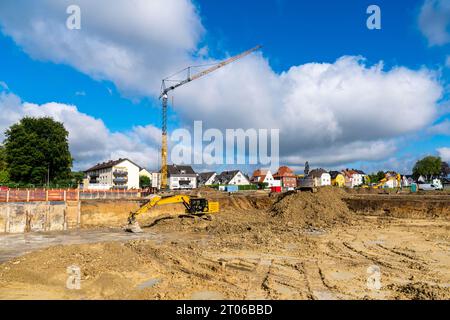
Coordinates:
[89,139]
[134,44]
[442,128]
[330,112]
[444,153]
[434,21]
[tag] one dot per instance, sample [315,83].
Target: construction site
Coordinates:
[255,245]
[316,235]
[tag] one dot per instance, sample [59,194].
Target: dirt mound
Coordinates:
[322,209]
[420,291]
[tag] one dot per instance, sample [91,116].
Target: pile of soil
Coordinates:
[322,209]
[420,291]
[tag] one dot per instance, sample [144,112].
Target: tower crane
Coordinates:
[165,89]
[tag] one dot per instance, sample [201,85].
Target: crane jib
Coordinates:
[165,91]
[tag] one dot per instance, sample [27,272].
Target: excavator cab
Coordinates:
[198,205]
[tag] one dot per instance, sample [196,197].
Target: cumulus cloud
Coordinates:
[329,112]
[434,21]
[90,141]
[444,153]
[132,44]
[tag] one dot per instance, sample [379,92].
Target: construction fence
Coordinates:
[40,195]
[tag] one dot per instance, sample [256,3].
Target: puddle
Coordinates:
[324,295]
[342,275]
[207,295]
[148,284]
[375,242]
[285,290]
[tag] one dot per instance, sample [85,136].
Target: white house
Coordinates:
[353,178]
[264,176]
[114,174]
[235,177]
[144,172]
[181,177]
[321,177]
[206,178]
[156,180]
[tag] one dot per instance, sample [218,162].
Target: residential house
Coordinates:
[234,177]
[144,172]
[113,174]
[181,177]
[407,181]
[206,178]
[156,180]
[321,177]
[353,178]
[264,176]
[337,179]
[446,183]
[287,177]
[393,180]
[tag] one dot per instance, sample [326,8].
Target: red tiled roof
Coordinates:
[284,171]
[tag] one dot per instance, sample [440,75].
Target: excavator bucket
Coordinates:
[133,227]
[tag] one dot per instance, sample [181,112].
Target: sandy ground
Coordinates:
[296,248]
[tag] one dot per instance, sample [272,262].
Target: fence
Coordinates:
[39,195]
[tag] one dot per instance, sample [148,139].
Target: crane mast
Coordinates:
[164,97]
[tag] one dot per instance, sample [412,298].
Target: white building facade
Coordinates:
[118,174]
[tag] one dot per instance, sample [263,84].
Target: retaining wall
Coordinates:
[32,216]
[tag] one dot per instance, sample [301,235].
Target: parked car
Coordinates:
[3,188]
[428,187]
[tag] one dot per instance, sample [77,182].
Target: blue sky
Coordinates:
[293,33]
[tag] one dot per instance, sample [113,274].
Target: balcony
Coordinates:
[120,180]
[120,173]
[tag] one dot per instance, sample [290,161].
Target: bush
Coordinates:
[248,187]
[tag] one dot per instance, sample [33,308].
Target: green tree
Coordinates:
[37,148]
[376,177]
[3,163]
[144,182]
[4,175]
[428,167]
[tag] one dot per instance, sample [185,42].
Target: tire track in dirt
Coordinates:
[318,287]
[413,263]
[257,286]
[370,257]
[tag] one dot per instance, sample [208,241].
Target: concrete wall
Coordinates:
[32,216]
[56,216]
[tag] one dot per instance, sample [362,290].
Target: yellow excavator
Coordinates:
[194,207]
[383,181]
